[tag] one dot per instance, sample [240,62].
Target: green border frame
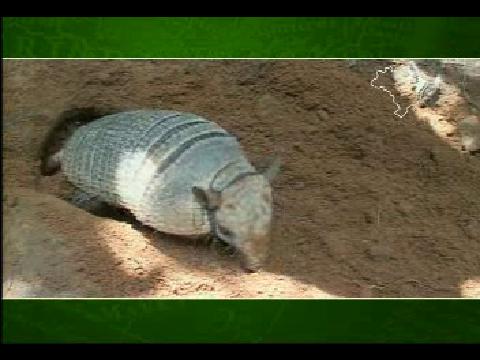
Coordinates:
[250,37]
[240,321]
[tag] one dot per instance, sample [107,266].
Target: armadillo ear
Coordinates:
[272,169]
[210,199]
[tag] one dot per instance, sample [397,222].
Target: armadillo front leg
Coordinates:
[214,244]
[221,246]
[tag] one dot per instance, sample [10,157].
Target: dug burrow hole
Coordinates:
[64,126]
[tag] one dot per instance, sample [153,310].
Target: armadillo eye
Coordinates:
[224,231]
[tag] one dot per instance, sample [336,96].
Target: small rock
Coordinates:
[323,115]
[366,291]
[381,251]
[298,146]
[311,129]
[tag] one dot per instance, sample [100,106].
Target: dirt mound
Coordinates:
[367,205]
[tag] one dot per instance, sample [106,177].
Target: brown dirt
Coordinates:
[367,205]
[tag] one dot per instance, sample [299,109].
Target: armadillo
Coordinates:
[176,172]
[469,129]
[427,88]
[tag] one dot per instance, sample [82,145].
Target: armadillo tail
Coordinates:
[52,163]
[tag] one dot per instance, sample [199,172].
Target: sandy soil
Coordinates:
[367,204]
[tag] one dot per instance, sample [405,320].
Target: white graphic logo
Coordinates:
[383,88]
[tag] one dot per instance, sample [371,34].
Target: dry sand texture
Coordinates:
[367,204]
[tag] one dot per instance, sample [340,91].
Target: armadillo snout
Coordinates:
[255,253]
[470,143]
[251,263]
[470,133]
[250,267]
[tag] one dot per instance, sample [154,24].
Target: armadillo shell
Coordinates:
[148,162]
